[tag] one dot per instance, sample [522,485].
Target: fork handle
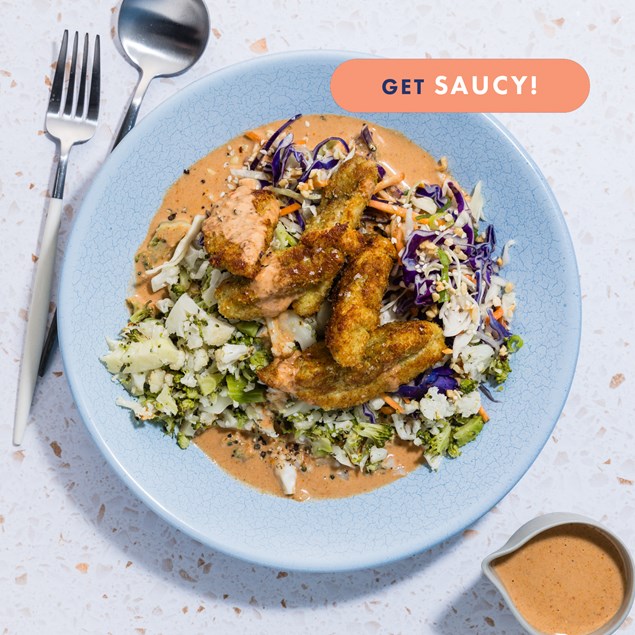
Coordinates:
[38,314]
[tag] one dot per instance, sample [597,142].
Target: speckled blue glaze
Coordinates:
[186,488]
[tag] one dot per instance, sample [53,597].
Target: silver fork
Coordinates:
[69,120]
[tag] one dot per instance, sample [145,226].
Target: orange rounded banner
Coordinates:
[460,85]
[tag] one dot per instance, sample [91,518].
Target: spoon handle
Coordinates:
[133,110]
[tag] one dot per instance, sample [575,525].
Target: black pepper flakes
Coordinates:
[186,171]
[172,216]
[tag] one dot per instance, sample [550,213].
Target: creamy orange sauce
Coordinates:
[568,580]
[231,214]
[250,460]
[201,186]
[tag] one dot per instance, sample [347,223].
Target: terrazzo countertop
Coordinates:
[80,554]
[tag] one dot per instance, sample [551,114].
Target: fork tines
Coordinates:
[85,80]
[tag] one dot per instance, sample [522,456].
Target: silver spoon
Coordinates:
[160,38]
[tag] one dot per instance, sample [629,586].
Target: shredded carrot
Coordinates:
[386,410]
[397,233]
[389,209]
[253,135]
[469,277]
[447,351]
[393,404]
[498,314]
[483,414]
[393,179]
[385,196]
[289,209]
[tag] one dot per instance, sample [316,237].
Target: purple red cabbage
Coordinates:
[479,293]
[497,327]
[410,256]
[265,149]
[469,232]
[322,164]
[382,171]
[404,304]
[434,192]
[486,391]
[280,158]
[299,219]
[458,197]
[367,137]
[424,287]
[369,413]
[442,378]
[318,147]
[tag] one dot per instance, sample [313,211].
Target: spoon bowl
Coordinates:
[160,38]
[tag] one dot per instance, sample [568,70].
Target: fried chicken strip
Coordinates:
[239,230]
[344,199]
[304,273]
[395,354]
[284,276]
[358,300]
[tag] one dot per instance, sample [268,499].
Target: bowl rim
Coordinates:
[358,561]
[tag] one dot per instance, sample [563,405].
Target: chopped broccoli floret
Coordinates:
[236,391]
[192,393]
[208,383]
[499,369]
[141,313]
[187,404]
[376,432]
[468,431]
[182,440]
[249,328]
[259,360]
[440,442]
[468,385]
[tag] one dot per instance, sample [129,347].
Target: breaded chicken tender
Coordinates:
[357,300]
[394,355]
[284,276]
[239,230]
[304,273]
[343,201]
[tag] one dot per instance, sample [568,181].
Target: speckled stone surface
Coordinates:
[80,553]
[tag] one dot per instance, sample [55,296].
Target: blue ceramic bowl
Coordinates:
[186,488]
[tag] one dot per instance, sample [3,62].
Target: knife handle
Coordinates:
[38,315]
